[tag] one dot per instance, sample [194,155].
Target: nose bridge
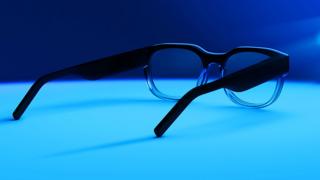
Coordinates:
[216,58]
[214,62]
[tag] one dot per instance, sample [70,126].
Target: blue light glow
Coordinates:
[318,39]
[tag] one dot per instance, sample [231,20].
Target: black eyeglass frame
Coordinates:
[140,58]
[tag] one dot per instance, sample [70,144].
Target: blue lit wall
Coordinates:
[39,36]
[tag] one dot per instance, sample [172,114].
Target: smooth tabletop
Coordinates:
[104,130]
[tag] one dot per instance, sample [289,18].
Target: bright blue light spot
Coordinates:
[318,39]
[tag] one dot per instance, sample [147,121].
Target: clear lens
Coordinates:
[257,96]
[175,71]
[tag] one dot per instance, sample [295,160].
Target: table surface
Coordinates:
[104,130]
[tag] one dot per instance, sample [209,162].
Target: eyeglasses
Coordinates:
[250,76]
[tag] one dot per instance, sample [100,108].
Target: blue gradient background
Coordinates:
[37,37]
[104,129]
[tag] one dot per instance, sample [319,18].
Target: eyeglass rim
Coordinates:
[275,95]
[202,79]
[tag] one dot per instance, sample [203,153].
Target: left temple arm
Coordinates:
[92,70]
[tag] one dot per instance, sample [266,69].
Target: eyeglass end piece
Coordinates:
[158,132]
[16,115]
